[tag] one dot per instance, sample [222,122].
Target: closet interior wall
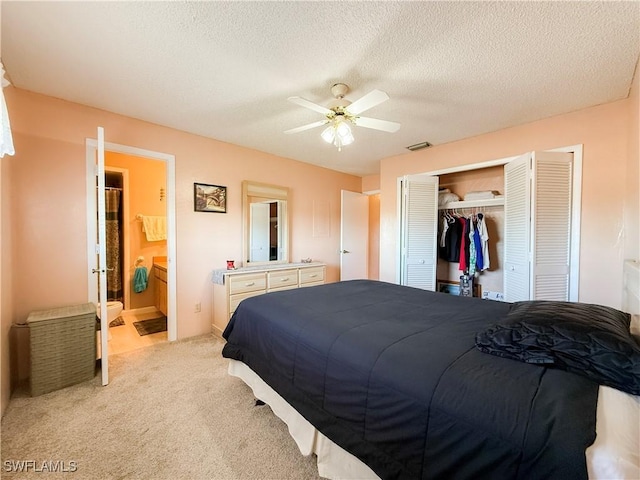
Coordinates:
[461,183]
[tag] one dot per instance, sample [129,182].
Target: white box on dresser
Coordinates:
[230,287]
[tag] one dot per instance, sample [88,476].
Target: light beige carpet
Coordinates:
[170,412]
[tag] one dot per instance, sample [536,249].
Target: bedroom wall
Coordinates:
[604,132]
[371,186]
[374,236]
[49,210]
[5,287]
[6,284]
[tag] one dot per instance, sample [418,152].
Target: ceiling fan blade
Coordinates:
[376,124]
[370,100]
[307,126]
[307,104]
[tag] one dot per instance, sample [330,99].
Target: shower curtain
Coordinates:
[114,271]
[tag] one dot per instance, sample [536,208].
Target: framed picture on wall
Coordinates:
[453,288]
[209,198]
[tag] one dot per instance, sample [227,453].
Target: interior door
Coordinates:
[101,248]
[538,227]
[419,231]
[354,236]
[551,212]
[517,230]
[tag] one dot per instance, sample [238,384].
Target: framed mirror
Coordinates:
[265,233]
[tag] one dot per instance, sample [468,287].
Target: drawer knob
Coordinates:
[313,275]
[284,279]
[250,284]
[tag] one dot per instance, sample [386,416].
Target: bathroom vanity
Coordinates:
[160,283]
[230,287]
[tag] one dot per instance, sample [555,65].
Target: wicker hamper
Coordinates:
[63,347]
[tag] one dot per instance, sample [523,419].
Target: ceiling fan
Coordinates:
[342,113]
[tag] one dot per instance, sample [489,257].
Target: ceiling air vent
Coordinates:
[419,146]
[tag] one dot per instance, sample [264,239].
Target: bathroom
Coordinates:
[135,193]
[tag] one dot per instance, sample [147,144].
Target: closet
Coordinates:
[536,244]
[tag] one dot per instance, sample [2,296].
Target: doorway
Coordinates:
[354,235]
[129,219]
[134,189]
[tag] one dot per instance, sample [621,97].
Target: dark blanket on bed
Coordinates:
[392,375]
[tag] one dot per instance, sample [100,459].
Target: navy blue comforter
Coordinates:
[392,375]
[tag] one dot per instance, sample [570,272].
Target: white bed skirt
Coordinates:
[333,461]
[614,455]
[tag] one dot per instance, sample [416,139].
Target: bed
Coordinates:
[381,380]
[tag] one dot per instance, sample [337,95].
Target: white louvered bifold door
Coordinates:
[551,225]
[517,229]
[419,231]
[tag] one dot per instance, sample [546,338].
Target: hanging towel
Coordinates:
[155,228]
[140,279]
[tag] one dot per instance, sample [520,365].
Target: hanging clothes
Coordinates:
[471,264]
[443,235]
[464,245]
[464,241]
[450,251]
[478,244]
[484,237]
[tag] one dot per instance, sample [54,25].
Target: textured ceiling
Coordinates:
[225,69]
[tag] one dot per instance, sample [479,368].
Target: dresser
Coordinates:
[230,287]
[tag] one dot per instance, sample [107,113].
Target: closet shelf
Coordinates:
[487,202]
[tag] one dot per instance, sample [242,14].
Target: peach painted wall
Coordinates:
[6,284]
[604,132]
[374,236]
[632,200]
[5,289]
[371,183]
[49,213]
[146,177]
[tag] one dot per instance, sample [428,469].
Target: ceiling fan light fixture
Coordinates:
[342,114]
[343,131]
[328,134]
[338,133]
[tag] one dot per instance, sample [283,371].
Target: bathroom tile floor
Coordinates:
[126,338]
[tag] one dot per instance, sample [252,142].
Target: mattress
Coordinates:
[391,374]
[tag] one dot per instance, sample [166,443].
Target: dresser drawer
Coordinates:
[282,278]
[247,283]
[234,300]
[311,275]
